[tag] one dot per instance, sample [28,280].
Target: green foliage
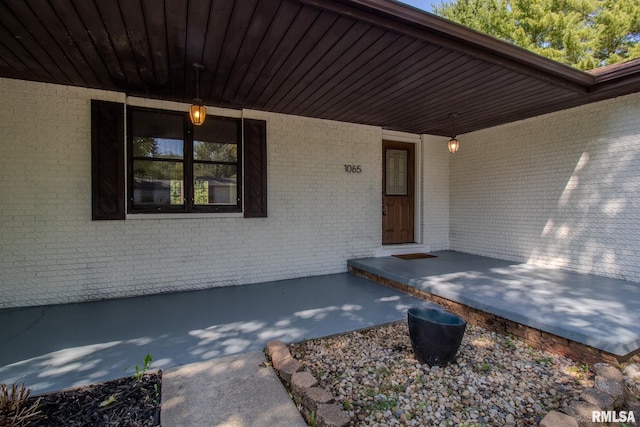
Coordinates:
[141,371]
[510,343]
[145,146]
[14,409]
[580,370]
[215,151]
[161,161]
[108,401]
[484,368]
[584,34]
[383,404]
[633,395]
[156,391]
[547,361]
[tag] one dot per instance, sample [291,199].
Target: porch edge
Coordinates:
[534,337]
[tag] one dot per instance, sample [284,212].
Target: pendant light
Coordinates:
[197,112]
[454,144]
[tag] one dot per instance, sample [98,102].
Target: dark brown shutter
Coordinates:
[107,160]
[255,168]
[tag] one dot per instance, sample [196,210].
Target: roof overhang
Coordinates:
[375,62]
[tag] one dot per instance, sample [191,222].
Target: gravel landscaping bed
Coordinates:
[495,381]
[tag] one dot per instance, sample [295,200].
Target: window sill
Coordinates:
[199,215]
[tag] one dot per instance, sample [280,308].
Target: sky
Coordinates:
[421,4]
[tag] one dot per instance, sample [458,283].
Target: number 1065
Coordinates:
[352,168]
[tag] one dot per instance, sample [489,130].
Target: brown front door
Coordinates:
[398,170]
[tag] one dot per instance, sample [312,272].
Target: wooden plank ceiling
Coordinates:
[375,62]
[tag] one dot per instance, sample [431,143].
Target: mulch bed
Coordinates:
[122,402]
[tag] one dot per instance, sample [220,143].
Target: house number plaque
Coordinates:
[352,169]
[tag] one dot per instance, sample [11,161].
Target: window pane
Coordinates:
[215,184]
[158,148]
[396,167]
[158,183]
[215,151]
[157,135]
[216,129]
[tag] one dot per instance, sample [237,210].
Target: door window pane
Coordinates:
[215,184]
[396,169]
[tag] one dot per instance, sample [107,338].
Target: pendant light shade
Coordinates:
[454,144]
[197,112]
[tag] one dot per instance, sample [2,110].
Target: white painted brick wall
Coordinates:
[51,251]
[435,199]
[560,190]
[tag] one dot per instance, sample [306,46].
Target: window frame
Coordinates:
[188,163]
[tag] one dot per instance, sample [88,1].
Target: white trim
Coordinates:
[394,135]
[417,197]
[177,106]
[407,248]
[180,106]
[143,216]
[389,135]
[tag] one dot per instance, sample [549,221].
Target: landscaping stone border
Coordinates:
[317,405]
[608,394]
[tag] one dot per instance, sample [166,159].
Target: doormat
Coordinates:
[415,256]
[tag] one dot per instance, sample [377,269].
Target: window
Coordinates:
[174,167]
[396,171]
[177,167]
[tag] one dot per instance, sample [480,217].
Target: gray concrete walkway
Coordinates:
[232,391]
[53,347]
[597,311]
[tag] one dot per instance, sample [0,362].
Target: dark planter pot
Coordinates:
[435,335]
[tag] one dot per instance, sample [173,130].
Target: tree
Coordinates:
[215,151]
[584,34]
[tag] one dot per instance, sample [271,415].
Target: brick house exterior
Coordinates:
[558,190]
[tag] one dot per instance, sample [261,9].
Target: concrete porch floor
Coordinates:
[54,347]
[596,311]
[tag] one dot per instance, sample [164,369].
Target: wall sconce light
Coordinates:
[454,144]
[197,112]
